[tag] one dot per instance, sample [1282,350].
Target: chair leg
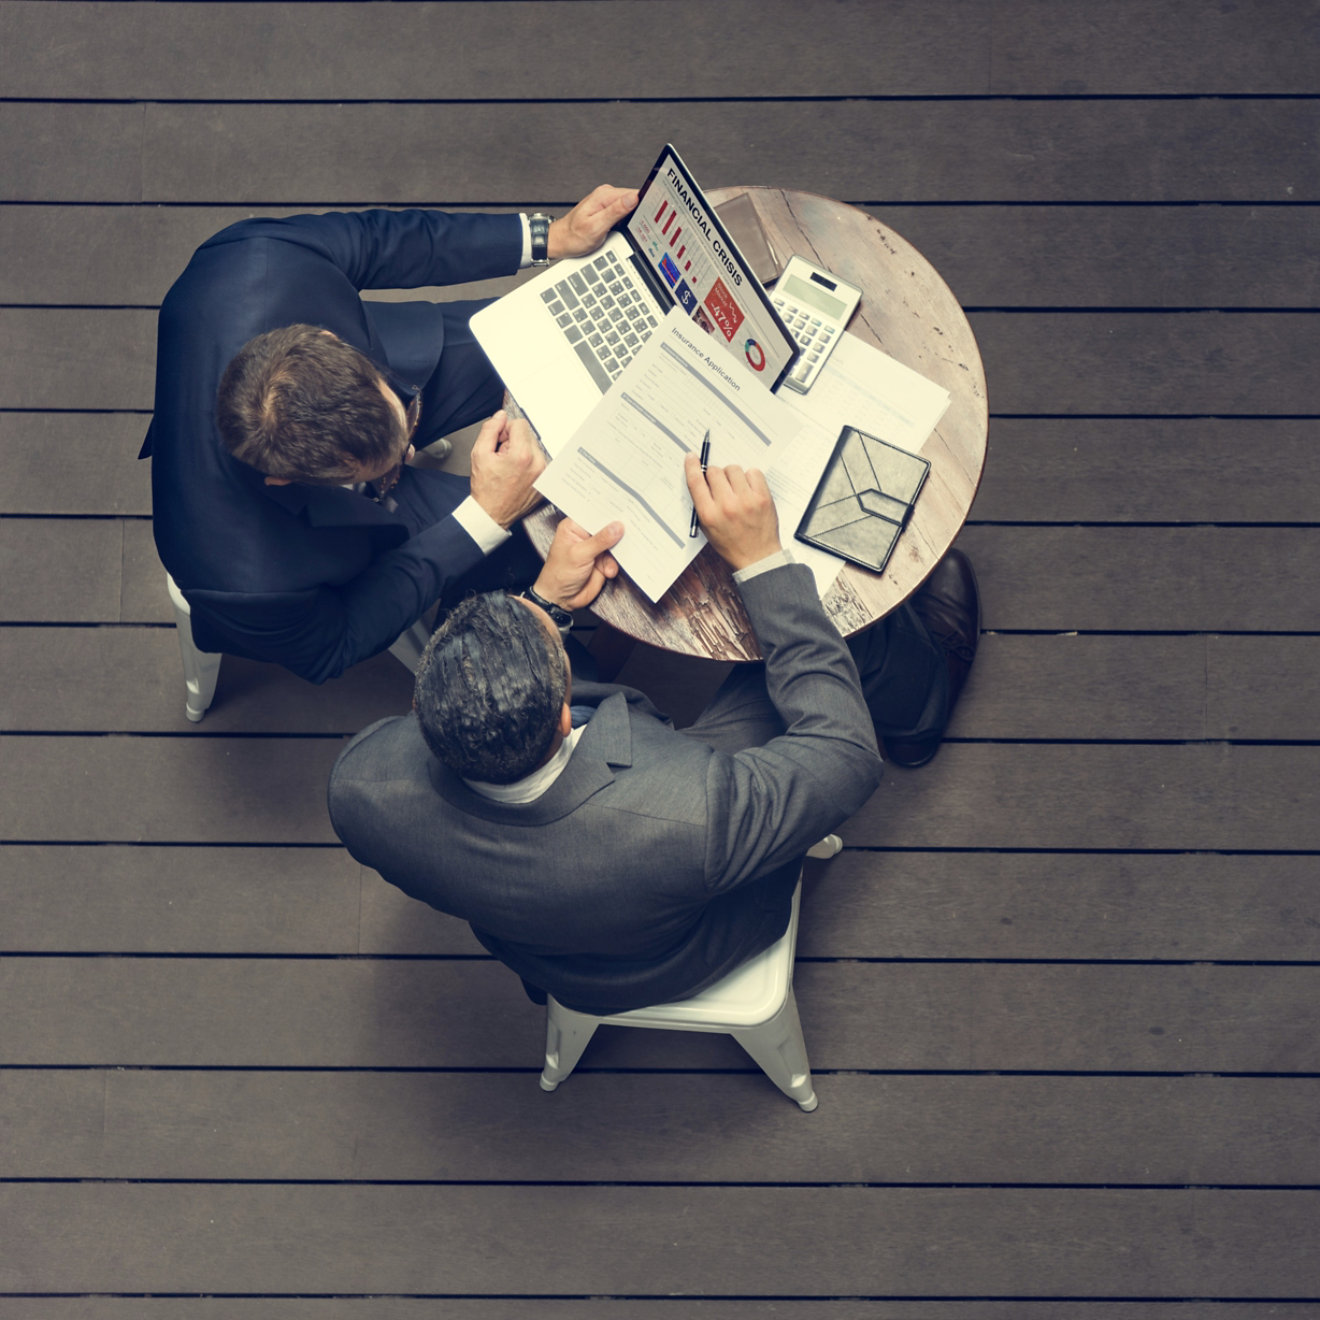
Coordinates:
[828,847]
[201,669]
[778,1047]
[408,646]
[567,1034]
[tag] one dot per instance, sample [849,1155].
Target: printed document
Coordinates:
[626,460]
[866,389]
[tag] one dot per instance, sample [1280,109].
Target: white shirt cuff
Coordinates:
[480,526]
[775,560]
[527,241]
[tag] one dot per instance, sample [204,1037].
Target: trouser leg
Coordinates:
[740,714]
[905,675]
[904,678]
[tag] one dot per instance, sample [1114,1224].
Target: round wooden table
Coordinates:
[907,311]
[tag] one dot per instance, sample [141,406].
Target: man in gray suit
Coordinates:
[601,854]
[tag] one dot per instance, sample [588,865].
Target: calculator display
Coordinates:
[810,294]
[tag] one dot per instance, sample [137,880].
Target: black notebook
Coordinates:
[864,499]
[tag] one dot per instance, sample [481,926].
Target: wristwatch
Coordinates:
[540,226]
[561,618]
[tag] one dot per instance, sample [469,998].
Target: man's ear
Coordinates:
[565,720]
[278,481]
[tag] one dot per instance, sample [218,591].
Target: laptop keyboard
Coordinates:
[603,315]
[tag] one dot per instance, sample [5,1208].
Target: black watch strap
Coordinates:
[563,620]
[540,229]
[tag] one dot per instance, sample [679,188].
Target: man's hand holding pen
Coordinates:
[736,511]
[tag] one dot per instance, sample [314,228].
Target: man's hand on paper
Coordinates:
[585,227]
[506,459]
[736,511]
[577,565]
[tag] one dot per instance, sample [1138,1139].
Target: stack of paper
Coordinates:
[626,460]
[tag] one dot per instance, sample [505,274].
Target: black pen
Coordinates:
[705,458]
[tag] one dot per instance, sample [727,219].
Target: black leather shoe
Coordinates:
[949,604]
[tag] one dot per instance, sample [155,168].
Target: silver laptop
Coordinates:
[559,341]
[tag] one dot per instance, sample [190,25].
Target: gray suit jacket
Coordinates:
[655,863]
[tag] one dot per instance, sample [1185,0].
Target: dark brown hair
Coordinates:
[300,404]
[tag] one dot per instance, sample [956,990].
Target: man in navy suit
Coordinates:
[291,521]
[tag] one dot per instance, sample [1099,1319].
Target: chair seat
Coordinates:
[754,1004]
[749,995]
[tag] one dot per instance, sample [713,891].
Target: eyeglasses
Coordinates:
[411,398]
[409,395]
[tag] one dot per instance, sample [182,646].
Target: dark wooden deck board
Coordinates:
[1148,256]
[1015,972]
[72,679]
[1009,150]
[910,47]
[70,573]
[71,463]
[1121,470]
[66,151]
[1129,46]
[1184,907]
[462,1013]
[197,52]
[632,1308]
[1195,796]
[757,1241]
[425,1127]
[995,151]
[1138,579]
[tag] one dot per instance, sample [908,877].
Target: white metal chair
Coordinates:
[201,669]
[753,1004]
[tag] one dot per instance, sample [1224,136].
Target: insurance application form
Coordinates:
[626,460]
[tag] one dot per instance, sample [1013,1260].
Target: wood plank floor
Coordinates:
[1060,989]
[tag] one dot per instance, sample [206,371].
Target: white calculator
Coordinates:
[815,306]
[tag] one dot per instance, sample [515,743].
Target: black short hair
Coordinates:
[300,404]
[490,688]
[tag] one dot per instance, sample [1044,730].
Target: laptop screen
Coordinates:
[676,231]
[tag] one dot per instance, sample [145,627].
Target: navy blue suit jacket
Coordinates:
[312,578]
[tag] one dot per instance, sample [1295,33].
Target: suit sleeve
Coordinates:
[321,632]
[767,805]
[397,249]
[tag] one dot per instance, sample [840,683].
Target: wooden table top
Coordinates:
[908,311]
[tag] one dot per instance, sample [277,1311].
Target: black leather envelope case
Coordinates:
[864,499]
